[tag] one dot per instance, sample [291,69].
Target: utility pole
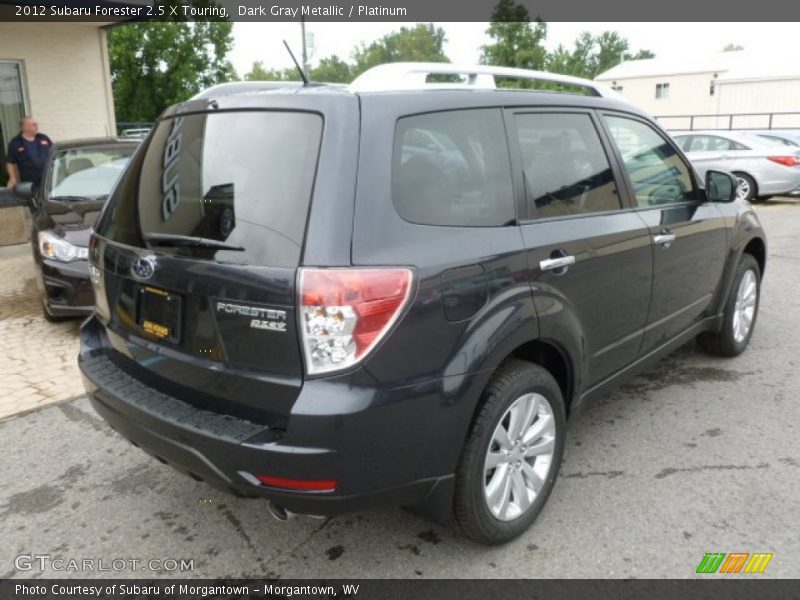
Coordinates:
[305,51]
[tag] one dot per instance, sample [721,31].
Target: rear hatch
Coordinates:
[197,254]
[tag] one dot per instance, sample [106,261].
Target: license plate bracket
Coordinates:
[158,314]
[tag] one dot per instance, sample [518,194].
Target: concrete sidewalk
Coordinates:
[37,359]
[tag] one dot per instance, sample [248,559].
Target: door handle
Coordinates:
[664,239]
[560,262]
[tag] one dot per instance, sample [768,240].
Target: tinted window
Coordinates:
[711,143]
[244,179]
[565,169]
[683,141]
[657,173]
[778,141]
[452,168]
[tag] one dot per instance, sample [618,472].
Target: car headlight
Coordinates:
[57,248]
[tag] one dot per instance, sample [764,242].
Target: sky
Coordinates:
[679,41]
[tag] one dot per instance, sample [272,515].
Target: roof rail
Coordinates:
[414,76]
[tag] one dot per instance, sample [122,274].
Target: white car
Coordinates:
[762,167]
[786,137]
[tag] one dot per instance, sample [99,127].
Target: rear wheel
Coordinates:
[746,188]
[512,455]
[739,316]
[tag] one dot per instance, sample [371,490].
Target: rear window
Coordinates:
[452,168]
[241,179]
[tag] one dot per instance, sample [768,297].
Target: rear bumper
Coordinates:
[372,453]
[795,192]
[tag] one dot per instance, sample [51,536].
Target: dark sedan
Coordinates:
[77,180]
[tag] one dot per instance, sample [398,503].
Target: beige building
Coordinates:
[728,83]
[59,73]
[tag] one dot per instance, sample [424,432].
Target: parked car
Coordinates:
[781,136]
[138,133]
[77,179]
[762,167]
[293,305]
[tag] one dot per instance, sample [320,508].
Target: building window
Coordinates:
[12,108]
[662,90]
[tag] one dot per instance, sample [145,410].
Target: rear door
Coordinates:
[588,255]
[435,193]
[201,246]
[688,233]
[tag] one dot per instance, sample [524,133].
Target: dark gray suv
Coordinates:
[396,292]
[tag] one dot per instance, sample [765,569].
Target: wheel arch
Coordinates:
[758,249]
[554,359]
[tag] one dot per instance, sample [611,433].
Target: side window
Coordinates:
[713,143]
[684,142]
[657,173]
[452,168]
[566,170]
[778,140]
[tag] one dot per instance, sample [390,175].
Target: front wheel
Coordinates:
[512,455]
[739,315]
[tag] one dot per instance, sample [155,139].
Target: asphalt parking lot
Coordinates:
[697,455]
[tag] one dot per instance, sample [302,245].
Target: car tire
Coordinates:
[522,398]
[745,294]
[746,188]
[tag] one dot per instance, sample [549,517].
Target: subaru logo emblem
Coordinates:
[143,267]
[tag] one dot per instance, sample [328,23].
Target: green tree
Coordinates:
[156,64]
[611,49]
[259,73]
[593,55]
[516,41]
[641,55]
[421,43]
[332,70]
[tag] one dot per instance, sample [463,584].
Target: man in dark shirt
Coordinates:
[27,154]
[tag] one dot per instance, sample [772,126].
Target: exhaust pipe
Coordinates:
[278,512]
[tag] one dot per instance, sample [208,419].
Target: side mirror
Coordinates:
[9,199]
[720,186]
[24,191]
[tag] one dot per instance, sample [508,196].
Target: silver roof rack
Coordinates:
[414,76]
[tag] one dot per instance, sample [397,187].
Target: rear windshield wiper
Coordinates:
[167,239]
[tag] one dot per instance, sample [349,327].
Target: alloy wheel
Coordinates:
[745,307]
[519,457]
[742,188]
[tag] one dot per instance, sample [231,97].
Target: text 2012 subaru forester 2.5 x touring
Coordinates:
[395,292]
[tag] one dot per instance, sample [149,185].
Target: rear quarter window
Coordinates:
[452,168]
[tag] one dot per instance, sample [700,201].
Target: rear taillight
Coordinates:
[345,312]
[786,161]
